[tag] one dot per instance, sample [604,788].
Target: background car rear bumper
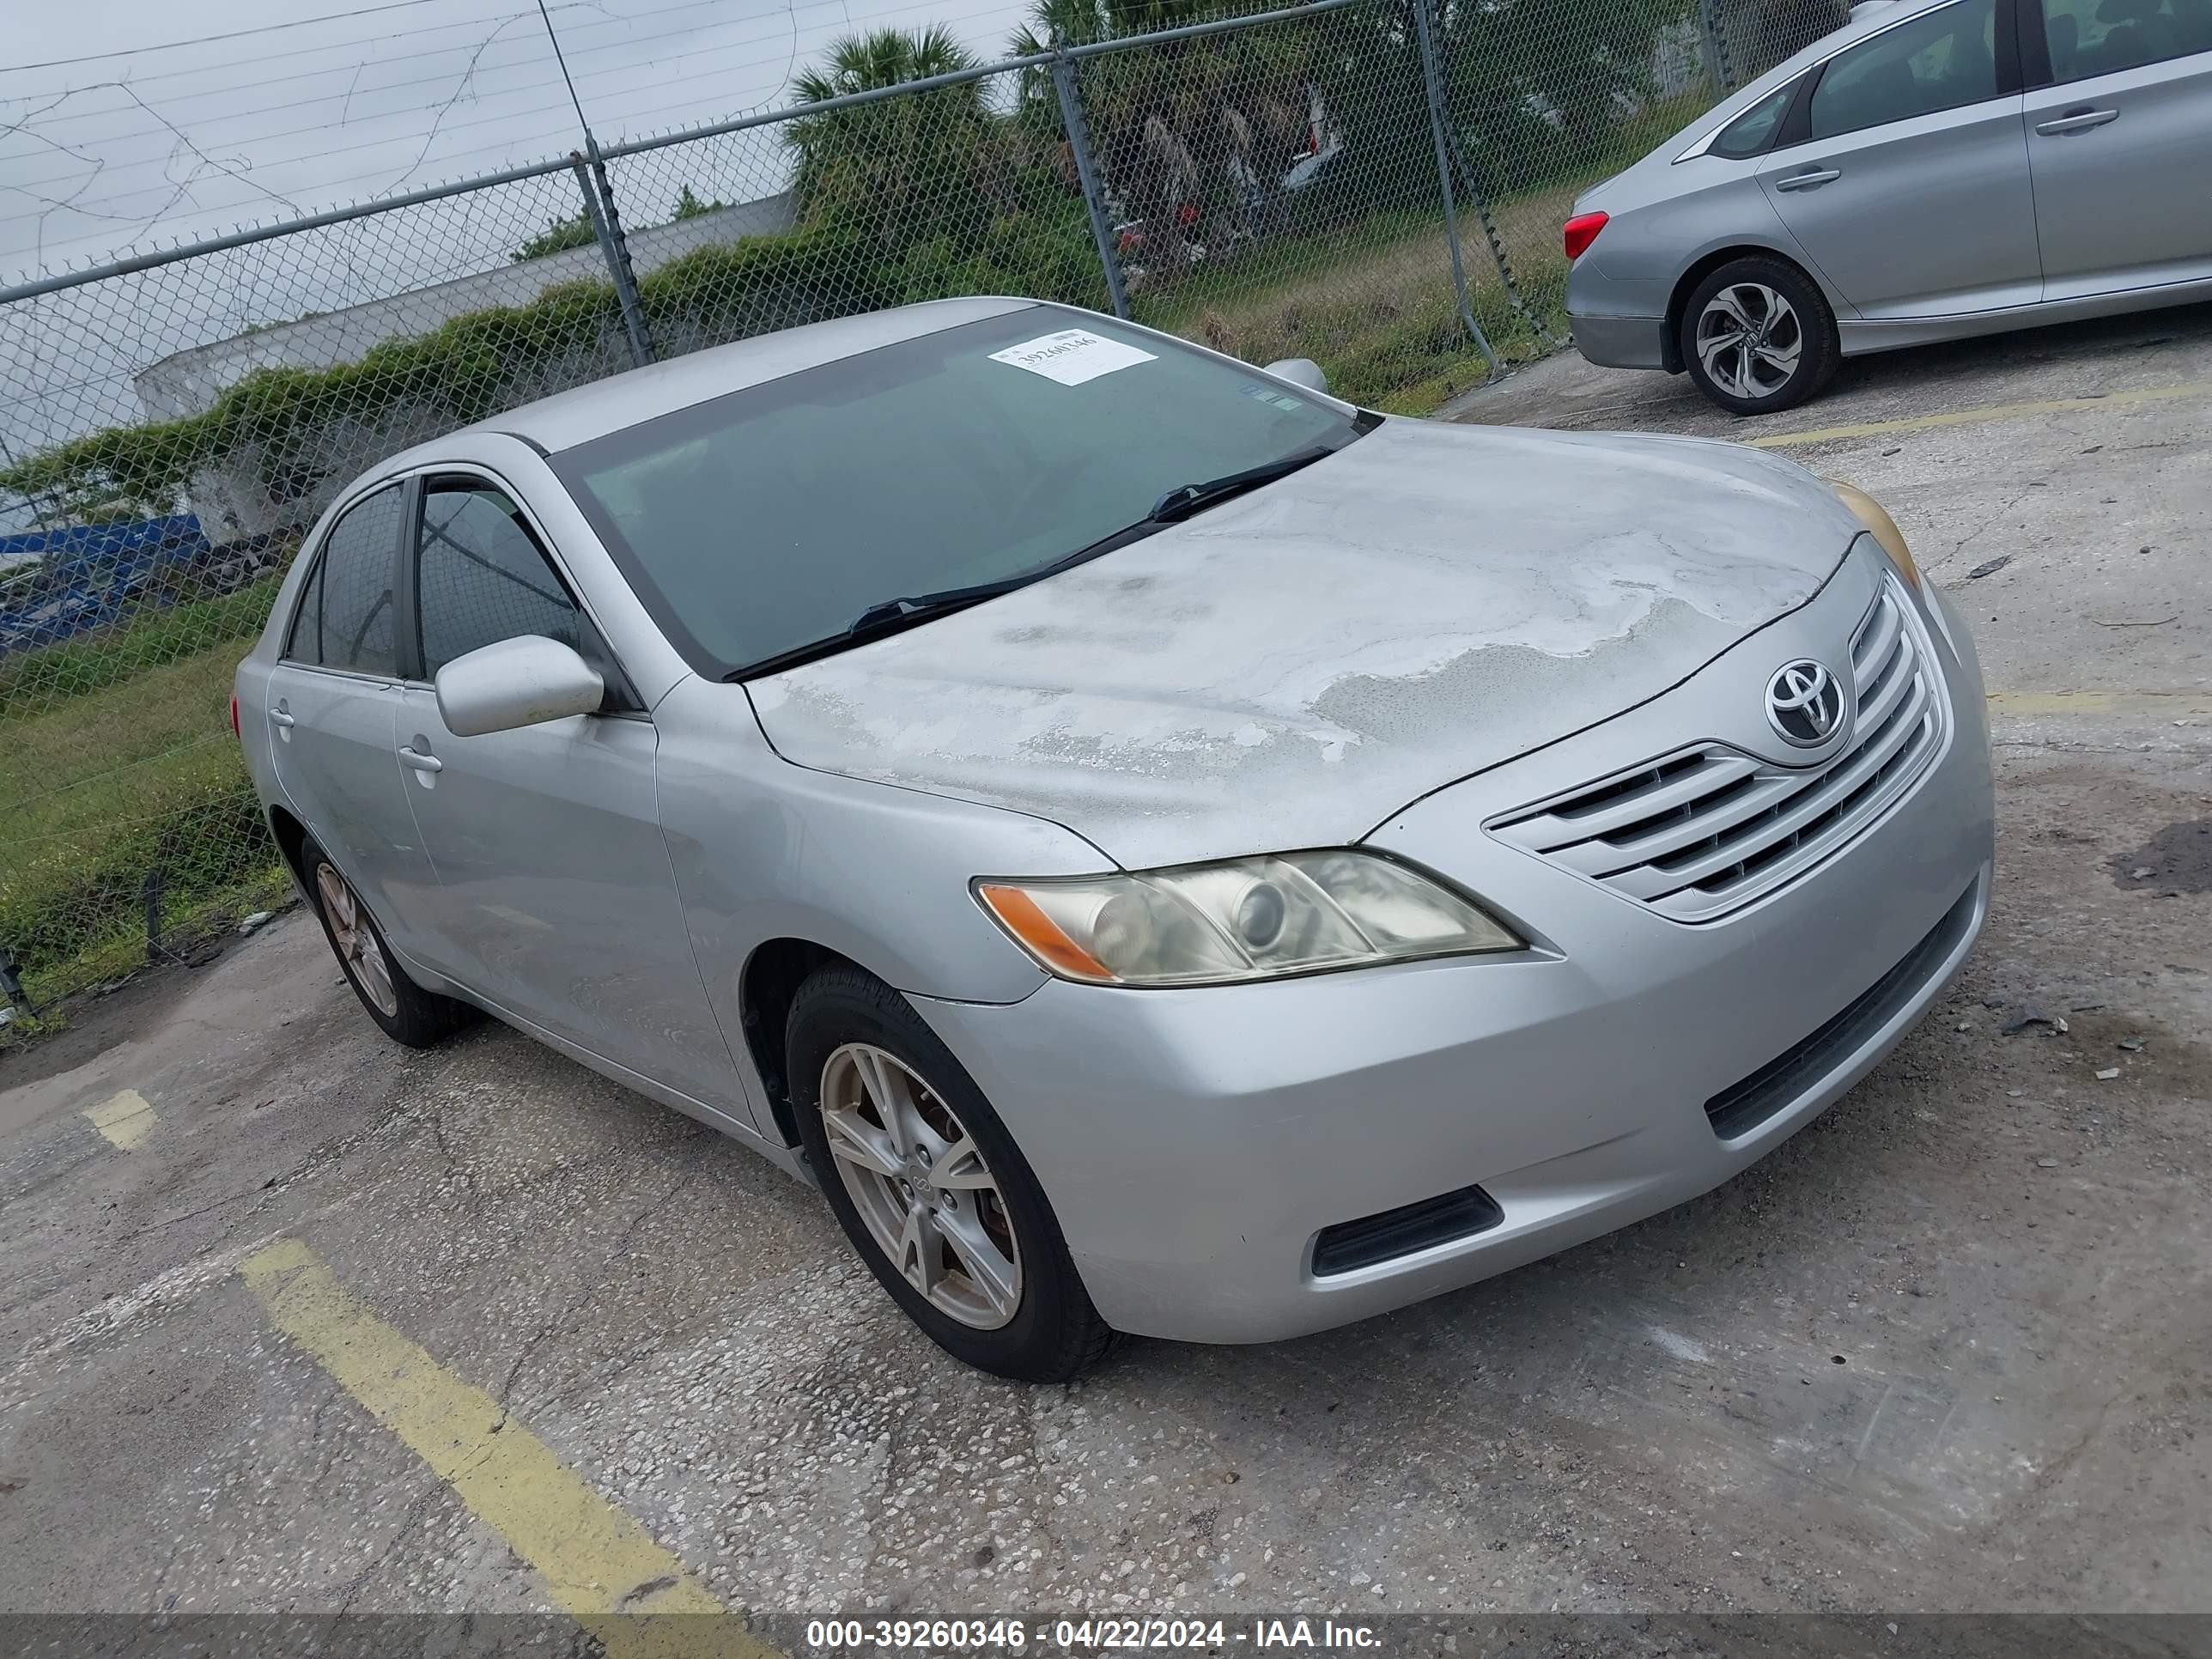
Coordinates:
[1195,1143]
[1621,342]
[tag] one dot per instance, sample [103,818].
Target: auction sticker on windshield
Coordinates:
[1071,357]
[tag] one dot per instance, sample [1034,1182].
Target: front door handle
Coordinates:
[1812,180]
[411,756]
[2076,121]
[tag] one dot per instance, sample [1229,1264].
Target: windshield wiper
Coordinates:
[1186,500]
[885,616]
[891,616]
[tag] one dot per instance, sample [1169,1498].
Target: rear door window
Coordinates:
[1944,59]
[345,618]
[2102,37]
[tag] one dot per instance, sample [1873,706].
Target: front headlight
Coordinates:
[1883,528]
[1243,918]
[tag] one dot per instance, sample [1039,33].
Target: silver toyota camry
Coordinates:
[1934,169]
[1166,851]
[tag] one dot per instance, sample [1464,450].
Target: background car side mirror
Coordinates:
[1300,371]
[512,683]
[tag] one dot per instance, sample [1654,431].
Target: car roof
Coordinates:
[569,418]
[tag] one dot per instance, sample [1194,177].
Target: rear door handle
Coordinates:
[2076,121]
[278,717]
[1812,180]
[411,756]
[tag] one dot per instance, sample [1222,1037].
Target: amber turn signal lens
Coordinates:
[1022,917]
[1883,528]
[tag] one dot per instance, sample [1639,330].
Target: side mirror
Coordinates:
[512,683]
[1301,371]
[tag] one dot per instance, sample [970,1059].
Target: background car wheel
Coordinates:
[406,1012]
[930,1187]
[1757,334]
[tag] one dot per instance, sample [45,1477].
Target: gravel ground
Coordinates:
[1949,1349]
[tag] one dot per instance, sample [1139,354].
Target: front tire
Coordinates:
[402,1010]
[1758,336]
[930,1187]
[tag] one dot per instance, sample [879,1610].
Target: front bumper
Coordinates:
[1195,1143]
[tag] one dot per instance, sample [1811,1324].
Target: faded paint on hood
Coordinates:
[1290,668]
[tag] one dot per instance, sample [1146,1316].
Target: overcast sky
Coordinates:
[127,121]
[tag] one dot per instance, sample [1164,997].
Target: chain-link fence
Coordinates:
[1377,185]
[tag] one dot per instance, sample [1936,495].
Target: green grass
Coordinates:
[102,787]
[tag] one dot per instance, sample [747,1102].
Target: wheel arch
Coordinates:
[291,835]
[766,987]
[1704,266]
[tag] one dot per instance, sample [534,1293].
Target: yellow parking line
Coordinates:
[599,1565]
[125,1119]
[2146,705]
[1994,412]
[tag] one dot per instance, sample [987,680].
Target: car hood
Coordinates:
[1290,668]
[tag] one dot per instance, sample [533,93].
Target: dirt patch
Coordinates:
[84,1027]
[2176,860]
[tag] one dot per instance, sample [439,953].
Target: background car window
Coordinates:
[345,616]
[2102,37]
[1752,130]
[483,578]
[1941,61]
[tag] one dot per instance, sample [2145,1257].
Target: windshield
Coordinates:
[770,518]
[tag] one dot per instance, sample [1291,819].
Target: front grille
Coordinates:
[1743,1106]
[1705,831]
[1410,1227]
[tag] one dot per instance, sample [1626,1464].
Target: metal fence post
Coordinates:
[1094,198]
[606,226]
[1434,82]
[1716,42]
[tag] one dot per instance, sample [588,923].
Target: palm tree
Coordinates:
[1189,132]
[901,169]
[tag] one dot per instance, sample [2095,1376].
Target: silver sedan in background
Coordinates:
[1166,850]
[1934,169]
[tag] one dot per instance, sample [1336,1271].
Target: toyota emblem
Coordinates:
[1805,703]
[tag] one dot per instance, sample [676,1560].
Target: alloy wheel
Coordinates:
[1749,340]
[921,1186]
[358,952]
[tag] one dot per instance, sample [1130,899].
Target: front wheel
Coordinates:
[1758,336]
[930,1187]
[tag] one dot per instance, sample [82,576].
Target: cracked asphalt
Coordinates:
[1949,1349]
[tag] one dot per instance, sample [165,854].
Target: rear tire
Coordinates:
[932,1190]
[1758,336]
[402,1010]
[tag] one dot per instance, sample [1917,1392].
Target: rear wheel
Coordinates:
[1758,336]
[930,1187]
[406,1012]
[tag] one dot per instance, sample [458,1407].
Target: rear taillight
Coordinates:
[1580,231]
[234,732]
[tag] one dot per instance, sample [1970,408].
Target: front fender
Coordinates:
[762,849]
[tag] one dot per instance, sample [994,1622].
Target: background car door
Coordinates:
[333,699]
[1911,189]
[2120,143]
[558,900]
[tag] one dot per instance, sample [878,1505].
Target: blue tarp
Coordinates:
[86,576]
